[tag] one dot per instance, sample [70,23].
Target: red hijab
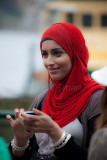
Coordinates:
[69,97]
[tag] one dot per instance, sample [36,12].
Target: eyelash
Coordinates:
[58,53]
[44,54]
[55,53]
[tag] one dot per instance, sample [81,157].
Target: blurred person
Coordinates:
[4,152]
[98,144]
[65,114]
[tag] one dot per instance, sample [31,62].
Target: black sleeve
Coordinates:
[29,152]
[73,151]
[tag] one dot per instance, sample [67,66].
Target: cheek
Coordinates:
[68,66]
[44,62]
[66,63]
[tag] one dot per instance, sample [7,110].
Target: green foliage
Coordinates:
[11,104]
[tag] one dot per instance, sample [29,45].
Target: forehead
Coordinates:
[50,44]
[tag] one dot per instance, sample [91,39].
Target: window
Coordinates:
[70,18]
[87,20]
[53,16]
[104,20]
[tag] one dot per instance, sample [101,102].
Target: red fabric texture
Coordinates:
[69,97]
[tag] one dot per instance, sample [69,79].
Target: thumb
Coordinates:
[9,118]
[38,112]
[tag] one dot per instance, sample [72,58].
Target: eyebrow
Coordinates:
[54,49]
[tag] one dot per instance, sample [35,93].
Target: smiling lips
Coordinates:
[53,70]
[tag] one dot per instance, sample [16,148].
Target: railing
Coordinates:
[3,113]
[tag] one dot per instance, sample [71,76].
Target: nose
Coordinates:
[50,60]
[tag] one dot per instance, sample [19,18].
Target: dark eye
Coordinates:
[44,54]
[57,53]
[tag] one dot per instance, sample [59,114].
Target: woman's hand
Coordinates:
[40,122]
[20,134]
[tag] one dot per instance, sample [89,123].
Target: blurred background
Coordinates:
[22,22]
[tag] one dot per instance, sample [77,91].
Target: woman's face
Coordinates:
[56,60]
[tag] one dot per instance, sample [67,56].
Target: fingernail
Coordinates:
[17,113]
[8,116]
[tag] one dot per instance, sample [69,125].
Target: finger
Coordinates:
[9,118]
[38,112]
[28,116]
[21,116]
[22,110]
[16,112]
[24,117]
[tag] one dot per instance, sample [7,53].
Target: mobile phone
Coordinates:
[30,112]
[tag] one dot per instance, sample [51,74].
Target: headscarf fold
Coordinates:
[69,97]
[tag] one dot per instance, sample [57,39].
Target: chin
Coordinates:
[56,78]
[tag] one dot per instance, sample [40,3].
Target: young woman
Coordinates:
[63,127]
[98,144]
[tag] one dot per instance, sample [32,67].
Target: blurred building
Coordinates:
[21,69]
[20,56]
[90,17]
